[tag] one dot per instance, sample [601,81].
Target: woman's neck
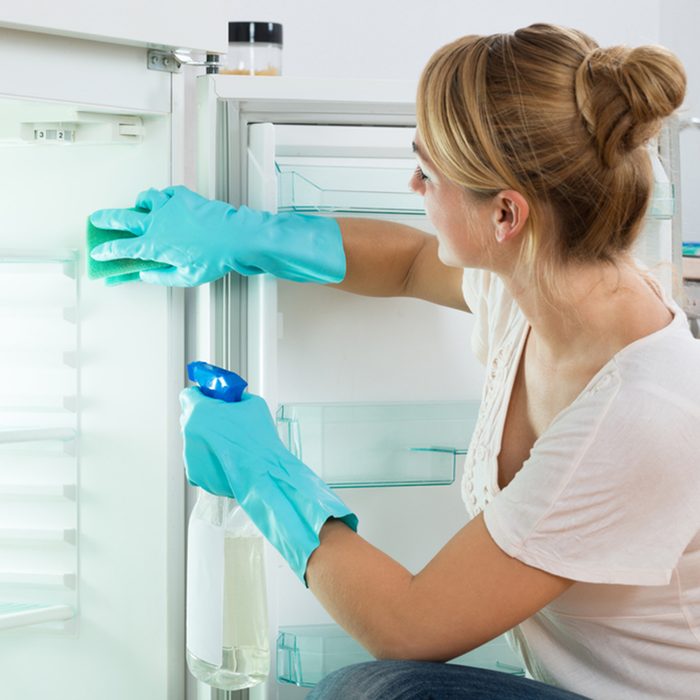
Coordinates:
[595,311]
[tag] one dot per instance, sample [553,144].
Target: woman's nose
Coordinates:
[416,184]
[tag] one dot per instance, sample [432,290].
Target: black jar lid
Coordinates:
[257,32]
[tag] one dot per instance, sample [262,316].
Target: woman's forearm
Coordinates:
[388,259]
[468,593]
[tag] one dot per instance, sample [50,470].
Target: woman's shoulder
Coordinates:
[664,364]
[642,409]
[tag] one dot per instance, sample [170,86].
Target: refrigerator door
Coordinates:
[91,484]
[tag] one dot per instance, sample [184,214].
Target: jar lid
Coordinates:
[257,32]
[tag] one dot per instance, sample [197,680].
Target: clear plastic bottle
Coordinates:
[227,629]
[254,48]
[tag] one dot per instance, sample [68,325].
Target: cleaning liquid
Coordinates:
[227,629]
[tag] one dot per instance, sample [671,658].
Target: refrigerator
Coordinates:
[379,396]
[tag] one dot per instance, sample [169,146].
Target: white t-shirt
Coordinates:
[609,497]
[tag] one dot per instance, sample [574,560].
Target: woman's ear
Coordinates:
[510,214]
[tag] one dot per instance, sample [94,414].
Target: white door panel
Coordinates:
[38,66]
[175,23]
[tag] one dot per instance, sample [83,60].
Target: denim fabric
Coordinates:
[426,680]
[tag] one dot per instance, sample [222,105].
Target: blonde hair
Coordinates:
[547,112]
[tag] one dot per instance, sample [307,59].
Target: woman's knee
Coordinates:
[371,680]
[426,680]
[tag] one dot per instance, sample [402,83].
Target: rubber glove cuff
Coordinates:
[297,247]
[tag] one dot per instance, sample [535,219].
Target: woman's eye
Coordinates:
[420,174]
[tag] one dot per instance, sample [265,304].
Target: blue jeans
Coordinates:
[426,680]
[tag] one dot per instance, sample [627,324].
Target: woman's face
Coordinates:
[460,219]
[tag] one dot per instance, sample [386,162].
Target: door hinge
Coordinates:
[172,61]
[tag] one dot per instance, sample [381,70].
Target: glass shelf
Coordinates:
[339,188]
[662,204]
[306,654]
[381,186]
[347,188]
[379,444]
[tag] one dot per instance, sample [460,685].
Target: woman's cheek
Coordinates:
[432,212]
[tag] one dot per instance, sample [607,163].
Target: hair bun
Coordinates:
[623,94]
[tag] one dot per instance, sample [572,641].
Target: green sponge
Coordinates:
[115,271]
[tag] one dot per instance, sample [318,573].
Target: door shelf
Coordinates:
[379,444]
[346,188]
[662,204]
[13,615]
[38,492]
[51,579]
[306,654]
[65,534]
[8,435]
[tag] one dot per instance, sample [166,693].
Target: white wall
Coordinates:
[394,38]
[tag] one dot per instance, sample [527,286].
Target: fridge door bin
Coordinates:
[662,204]
[346,186]
[306,654]
[379,444]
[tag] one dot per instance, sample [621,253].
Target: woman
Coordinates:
[582,476]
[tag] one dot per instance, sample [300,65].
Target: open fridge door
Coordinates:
[91,485]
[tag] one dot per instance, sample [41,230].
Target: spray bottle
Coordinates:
[227,630]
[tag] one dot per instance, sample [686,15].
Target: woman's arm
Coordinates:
[385,258]
[469,593]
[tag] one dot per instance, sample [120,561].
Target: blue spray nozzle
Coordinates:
[216,382]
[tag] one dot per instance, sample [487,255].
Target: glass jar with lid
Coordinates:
[255,48]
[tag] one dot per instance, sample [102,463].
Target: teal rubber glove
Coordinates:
[233,449]
[205,239]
